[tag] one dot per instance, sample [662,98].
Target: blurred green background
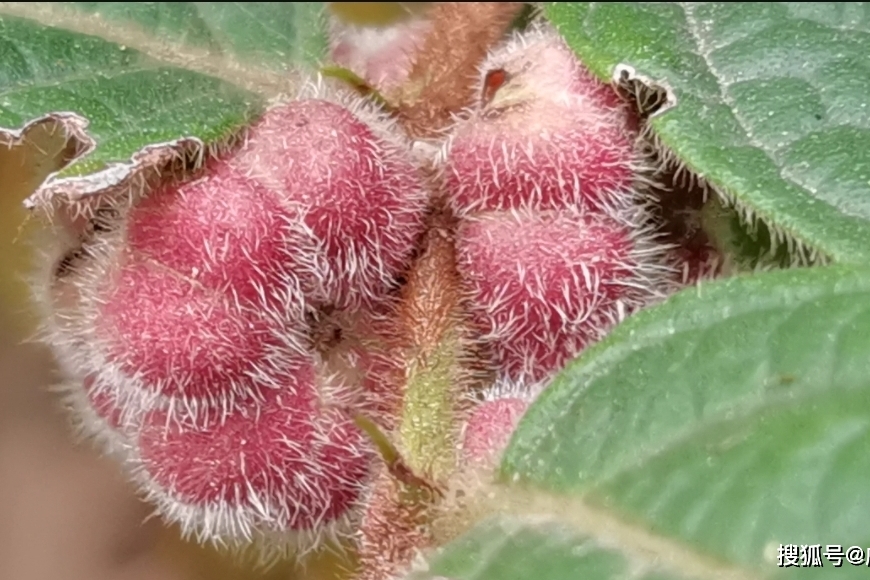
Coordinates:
[64,511]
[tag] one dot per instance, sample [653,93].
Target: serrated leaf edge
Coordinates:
[801,252]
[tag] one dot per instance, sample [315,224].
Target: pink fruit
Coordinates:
[186,294]
[347,175]
[541,286]
[492,420]
[201,295]
[490,427]
[288,464]
[225,232]
[168,336]
[545,134]
[381,55]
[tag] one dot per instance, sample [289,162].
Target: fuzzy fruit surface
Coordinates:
[283,465]
[489,429]
[545,159]
[224,232]
[183,340]
[545,134]
[356,198]
[186,306]
[542,286]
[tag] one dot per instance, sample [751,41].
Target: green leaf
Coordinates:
[272,34]
[696,438]
[519,550]
[772,104]
[748,248]
[146,73]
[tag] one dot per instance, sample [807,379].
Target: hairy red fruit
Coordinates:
[167,336]
[198,292]
[288,464]
[544,134]
[224,232]
[489,429]
[185,294]
[543,286]
[357,197]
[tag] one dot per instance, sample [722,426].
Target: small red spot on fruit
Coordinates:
[494,80]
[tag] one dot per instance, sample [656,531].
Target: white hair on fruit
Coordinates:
[95,417]
[543,134]
[559,282]
[295,479]
[74,333]
[346,172]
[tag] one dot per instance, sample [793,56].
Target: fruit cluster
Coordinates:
[224,332]
[218,330]
[556,241]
